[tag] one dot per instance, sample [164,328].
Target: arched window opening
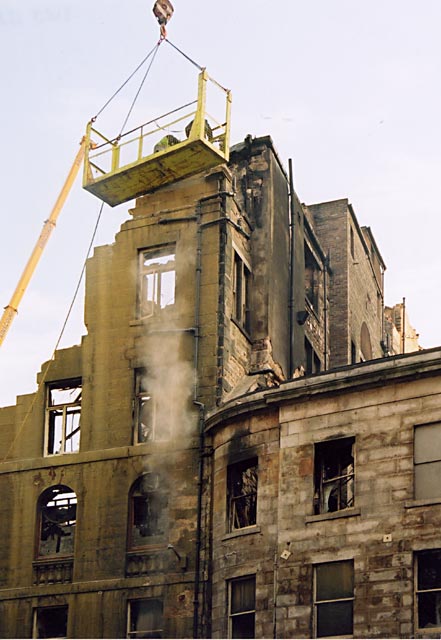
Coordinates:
[57,512]
[148,511]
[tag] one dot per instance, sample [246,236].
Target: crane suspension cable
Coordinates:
[152,52]
[124,83]
[140,87]
[198,66]
[184,54]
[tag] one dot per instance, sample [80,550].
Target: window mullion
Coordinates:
[63,430]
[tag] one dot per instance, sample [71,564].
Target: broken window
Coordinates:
[242,494]
[57,520]
[63,413]
[427,461]
[50,622]
[334,475]
[312,278]
[428,589]
[242,607]
[149,423]
[157,285]
[148,510]
[333,598]
[241,293]
[145,619]
[144,409]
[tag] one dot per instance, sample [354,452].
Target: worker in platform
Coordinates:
[163,10]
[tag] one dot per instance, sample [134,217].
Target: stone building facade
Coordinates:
[169,477]
[401,336]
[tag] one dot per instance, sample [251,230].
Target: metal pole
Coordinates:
[291,269]
[403,327]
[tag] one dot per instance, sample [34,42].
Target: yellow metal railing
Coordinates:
[108,156]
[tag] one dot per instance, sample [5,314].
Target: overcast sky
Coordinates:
[348,89]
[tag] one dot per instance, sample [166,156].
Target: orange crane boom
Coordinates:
[12,308]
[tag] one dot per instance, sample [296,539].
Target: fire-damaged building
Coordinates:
[234,449]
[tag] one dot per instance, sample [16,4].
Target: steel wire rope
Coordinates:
[49,363]
[124,83]
[198,66]
[184,54]
[140,87]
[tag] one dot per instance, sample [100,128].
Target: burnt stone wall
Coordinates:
[355,295]
[378,406]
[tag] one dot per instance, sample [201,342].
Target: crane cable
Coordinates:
[140,87]
[153,53]
[198,66]
[60,336]
[124,83]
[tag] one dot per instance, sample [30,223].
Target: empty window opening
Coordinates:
[148,510]
[334,475]
[312,361]
[63,413]
[57,518]
[317,364]
[353,353]
[242,607]
[333,598]
[50,622]
[428,589]
[427,461]
[145,619]
[312,279]
[242,494]
[241,293]
[158,281]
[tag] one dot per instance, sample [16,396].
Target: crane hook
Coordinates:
[163,10]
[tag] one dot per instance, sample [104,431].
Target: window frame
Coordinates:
[313,276]
[233,499]
[241,291]
[41,503]
[417,491]
[148,308]
[320,456]
[418,592]
[35,620]
[230,615]
[317,603]
[144,633]
[71,383]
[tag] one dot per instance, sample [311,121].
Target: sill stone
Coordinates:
[425,502]
[343,513]
[254,528]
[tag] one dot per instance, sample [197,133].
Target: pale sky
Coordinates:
[348,89]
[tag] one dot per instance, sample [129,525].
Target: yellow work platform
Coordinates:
[151,157]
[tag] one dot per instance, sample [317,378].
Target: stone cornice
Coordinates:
[375,373]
